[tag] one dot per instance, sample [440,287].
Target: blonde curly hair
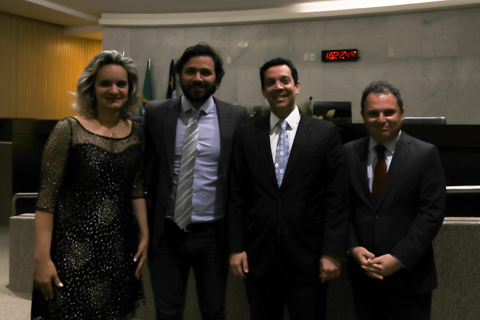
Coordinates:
[86,104]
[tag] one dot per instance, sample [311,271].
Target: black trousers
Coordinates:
[170,265]
[268,296]
[373,302]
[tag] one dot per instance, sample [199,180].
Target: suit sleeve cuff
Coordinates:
[400,262]
[349,251]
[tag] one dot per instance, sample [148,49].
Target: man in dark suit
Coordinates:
[188,146]
[397,200]
[288,213]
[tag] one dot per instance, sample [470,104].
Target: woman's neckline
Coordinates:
[102,136]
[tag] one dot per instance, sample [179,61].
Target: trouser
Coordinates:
[200,248]
[373,302]
[268,296]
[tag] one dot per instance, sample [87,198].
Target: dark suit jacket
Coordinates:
[160,127]
[407,216]
[305,217]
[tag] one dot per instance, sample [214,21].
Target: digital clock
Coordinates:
[340,55]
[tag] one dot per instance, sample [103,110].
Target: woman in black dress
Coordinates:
[91,220]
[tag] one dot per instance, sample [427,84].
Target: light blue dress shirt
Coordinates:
[205,181]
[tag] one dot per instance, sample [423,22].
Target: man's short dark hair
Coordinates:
[382,87]
[278,62]
[202,49]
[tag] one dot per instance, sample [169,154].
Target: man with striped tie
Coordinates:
[187,152]
[288,212]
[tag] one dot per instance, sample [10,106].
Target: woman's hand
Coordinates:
[140,209]
[141,255]
[45,273]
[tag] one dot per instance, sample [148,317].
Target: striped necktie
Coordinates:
[183,198]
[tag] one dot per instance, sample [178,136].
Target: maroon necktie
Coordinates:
[380,172]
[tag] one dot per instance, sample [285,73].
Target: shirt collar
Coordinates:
[293,119]
[390,146]
[207,106]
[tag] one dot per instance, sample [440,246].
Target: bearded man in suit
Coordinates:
[187,152]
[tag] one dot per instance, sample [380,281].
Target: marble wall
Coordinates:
[436,64]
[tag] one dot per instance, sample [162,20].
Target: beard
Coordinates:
[197,97]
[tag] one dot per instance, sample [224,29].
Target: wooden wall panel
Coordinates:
[5,60]
[39,66]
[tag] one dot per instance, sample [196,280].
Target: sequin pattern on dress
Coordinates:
[90,181]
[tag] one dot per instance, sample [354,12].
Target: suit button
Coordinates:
[279,200]
[376,216]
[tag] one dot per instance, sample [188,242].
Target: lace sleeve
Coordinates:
[54,162]
[138,189]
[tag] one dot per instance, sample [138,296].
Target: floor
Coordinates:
[13,305]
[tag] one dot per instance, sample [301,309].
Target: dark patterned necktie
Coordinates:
[183,198]
[380,172]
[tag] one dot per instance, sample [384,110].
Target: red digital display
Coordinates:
[340,55]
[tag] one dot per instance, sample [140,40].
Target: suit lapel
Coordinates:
[301,138]
[169,125]
[225,125]
[361,157]
[263,139]
[402,150]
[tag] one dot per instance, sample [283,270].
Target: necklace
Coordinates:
[112,130]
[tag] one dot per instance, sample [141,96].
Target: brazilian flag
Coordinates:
[147,88]
[171,91]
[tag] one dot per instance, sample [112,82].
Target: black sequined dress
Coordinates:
[90,181]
